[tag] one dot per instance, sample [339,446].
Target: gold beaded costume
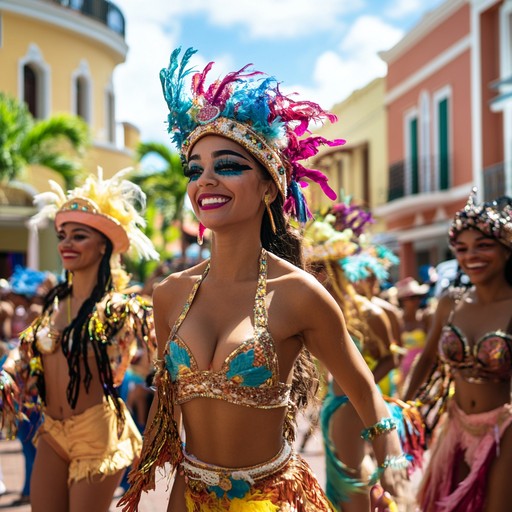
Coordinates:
[250,378]
[98,343]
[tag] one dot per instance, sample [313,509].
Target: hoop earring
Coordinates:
[266,200]
[200,233]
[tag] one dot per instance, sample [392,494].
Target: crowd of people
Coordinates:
[214,362]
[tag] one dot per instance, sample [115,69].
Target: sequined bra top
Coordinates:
[249,376]
[489,359]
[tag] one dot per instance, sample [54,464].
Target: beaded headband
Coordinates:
[489,218]
[255,114]
[109,206]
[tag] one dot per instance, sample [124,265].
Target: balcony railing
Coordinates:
[494,181]
[101,10]
[424,180]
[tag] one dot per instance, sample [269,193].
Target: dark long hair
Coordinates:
[287,244]
[75,336]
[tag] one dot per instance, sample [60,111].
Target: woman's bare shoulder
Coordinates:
[445,305]
[299,294]
[292,279]
[178,281]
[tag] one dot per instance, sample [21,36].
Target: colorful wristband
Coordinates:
[383,426]
[391,461]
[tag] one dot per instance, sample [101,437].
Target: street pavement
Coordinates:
[11,461]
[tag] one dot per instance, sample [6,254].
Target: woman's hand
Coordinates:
[381,501]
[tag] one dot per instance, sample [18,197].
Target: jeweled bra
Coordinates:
[249,376]
[488,359]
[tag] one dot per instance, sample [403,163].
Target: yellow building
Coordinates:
[357,168]
[60,56]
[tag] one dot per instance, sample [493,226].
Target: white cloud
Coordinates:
[138,94]
[336,74]
[262,19]
[355,64]
[401,9]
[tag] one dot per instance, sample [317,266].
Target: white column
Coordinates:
[33,247]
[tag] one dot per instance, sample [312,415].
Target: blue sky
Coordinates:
[322,49]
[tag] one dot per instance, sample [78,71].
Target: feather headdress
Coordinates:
[249,108]
[322,241]
[493,219]
[338,234]
[109,206]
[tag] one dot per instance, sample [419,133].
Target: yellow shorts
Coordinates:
[89,442]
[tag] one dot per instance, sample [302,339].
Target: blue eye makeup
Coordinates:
[228,167]
[192,172]
[224,167]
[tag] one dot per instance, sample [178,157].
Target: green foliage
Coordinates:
[165,189]
[25,141]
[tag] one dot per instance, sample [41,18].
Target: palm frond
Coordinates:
[72,129]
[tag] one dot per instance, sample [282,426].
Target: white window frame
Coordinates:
[82,73]
[110,114]
[425,175]
[34,58]
[445,93]
[506,72]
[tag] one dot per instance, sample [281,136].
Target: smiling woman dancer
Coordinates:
[76,352]
[235,332]
[471,335]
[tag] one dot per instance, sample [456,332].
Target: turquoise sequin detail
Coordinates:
[243,371]
[176,359]
[239,488]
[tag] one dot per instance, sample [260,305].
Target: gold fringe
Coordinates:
[293,489]
[10,405]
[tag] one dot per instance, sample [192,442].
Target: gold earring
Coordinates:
[266,200]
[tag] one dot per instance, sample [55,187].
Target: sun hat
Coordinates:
[409,287]
[110,206]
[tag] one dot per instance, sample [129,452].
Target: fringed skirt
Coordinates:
[342,481]
[474,439]
[283,484]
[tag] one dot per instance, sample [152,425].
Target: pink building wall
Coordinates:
[492,136]
[435,42]
[456,75]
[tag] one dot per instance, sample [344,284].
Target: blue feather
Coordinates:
[358,267]
[300,202]
[176,358]
[242,366]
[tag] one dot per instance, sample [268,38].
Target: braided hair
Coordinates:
[76,336]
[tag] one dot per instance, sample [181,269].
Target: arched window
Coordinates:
[80,98]
[34,82]
[30,88]
[81,88]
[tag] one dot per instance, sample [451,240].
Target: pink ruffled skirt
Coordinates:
[474,439]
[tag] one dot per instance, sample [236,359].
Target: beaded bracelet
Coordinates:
[391,461]
[381,427]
